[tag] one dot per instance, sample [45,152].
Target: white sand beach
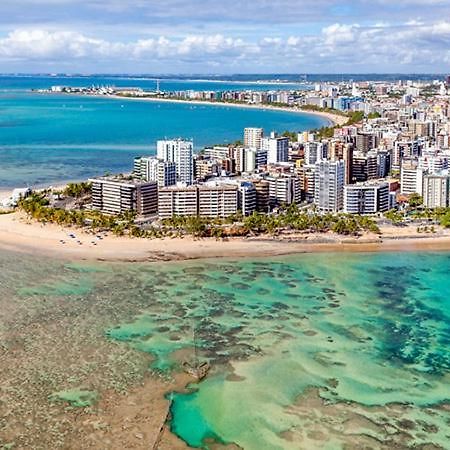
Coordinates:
[19,234]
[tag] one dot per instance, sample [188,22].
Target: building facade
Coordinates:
[180,152]
[329,185]
[436,191]
[154,169]
[202,201]
[366,198]
[116,196]
[253,137]
[277,149]
[411,179]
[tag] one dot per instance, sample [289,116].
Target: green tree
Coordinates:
[415,200]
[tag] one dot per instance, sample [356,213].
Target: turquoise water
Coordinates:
[308,351]
[10,83]
[312,351]
[46,139]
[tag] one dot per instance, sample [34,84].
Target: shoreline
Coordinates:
[18,234]
[333,119]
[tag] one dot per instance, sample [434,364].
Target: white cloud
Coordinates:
[339,34]
[338,47]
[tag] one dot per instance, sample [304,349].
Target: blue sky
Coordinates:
[227,36]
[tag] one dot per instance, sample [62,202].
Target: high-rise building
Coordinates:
[383,164]
[365,141]
[113,195]
[411,179]
[154,169]
[180,152]
[217,200]
[306,175]
[205,168]
[329,185]
[366,198]
[284,189]
[262,195]
[436,190]
[253,137]
[364,166]
[277,149]
[433,163]
[315,151]
[217,152]
[247,198]
[348,162]
[250,160]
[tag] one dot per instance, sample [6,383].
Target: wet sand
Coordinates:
[17,233]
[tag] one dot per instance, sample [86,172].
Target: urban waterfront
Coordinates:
[48,139]
[307,351]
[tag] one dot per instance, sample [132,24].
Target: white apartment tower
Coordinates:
[315,151]
[277,149]
[253,137]
[411,179]
[366,198]
[180,152]
[154,169]
[329,185]
[436,191]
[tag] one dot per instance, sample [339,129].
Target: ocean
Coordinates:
[311,351]
[47,139]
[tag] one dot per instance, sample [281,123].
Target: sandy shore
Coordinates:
[20,235]
[333,119]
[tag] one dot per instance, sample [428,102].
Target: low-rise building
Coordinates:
[177,201]
[116,195]
[207,200]
[366,198]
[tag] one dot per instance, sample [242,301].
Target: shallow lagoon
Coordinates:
[362,337]
[307,351]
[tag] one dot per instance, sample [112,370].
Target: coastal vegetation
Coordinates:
[78,190]
[326,110]
[286,220]
[328,132]
[37,206]
[415,211]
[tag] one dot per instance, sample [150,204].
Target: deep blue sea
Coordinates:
[46,139]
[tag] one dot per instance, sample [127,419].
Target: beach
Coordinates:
[19,234]
[333,119]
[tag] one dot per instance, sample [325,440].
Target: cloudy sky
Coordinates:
[225,36]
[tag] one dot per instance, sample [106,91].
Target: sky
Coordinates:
[225,36]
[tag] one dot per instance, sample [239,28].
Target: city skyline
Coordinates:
[207,36]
